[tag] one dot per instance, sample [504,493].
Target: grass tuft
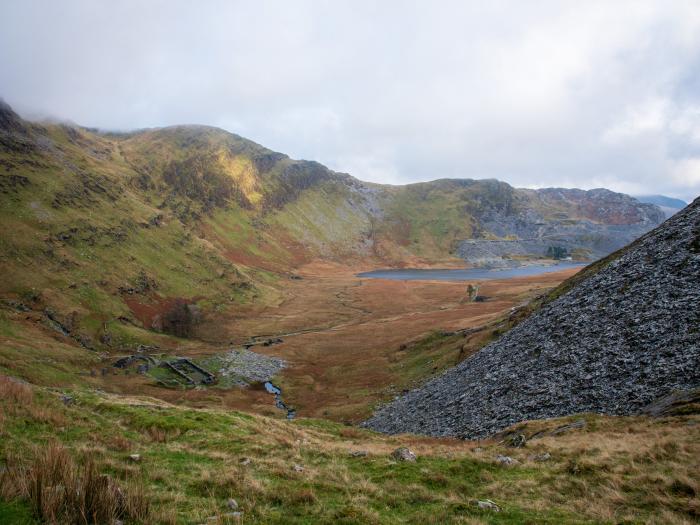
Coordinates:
[61,491]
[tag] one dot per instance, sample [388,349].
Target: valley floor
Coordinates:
[351,342]
[179,456]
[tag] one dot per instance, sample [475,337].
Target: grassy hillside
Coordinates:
[145,461]
[197,215]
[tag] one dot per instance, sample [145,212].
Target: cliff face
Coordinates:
[585,225]
[620,338]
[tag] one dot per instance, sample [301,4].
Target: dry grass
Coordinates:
[15,392]
[18,397]
[161,435]
[612,470]
[61,491]
[617,467]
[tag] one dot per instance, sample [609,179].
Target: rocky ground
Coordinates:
[621,338]
[243,367]
[583,239]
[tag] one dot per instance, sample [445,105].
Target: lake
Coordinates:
[468,274]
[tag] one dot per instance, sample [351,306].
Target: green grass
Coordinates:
[16,513]
[191,464]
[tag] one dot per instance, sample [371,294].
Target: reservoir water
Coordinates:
[468,274]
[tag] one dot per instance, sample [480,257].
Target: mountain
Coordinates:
[97,227]
[619,335]
[124,251]
[669,205]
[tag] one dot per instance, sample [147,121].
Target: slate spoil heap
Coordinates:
[623,336]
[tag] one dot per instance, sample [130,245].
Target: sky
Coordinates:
[537,93]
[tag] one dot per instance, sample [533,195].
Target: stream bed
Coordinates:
[279,403]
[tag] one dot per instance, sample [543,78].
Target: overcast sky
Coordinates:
[564,93]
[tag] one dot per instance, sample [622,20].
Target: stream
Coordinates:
[277,392]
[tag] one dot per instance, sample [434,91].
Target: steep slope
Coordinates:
[624,335]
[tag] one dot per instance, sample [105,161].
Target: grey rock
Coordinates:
[403,454]
[540,458]
[516,441]
[244,367]
[358,453]
[487,504]
[136,458]
[622,337]
[608,222]
[67,400]
[298,468]
[578,424]
[232,504]
[672,404]
[506,461]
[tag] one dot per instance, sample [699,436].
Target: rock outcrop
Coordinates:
[626,333]
[605,221]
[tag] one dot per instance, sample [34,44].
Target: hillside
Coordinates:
[189,244]
[93,222]
[160,463]
[622,336]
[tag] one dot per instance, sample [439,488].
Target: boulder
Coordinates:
[487,504]
[506,461]
[403,454]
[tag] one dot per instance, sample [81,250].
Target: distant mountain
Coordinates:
[669,205]
[617,336]
[97,220]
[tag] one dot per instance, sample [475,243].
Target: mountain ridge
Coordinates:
[669,205]
[208,216]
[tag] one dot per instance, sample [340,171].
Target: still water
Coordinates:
[468,274]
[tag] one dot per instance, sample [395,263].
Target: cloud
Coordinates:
[535,93]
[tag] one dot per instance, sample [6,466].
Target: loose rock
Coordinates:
[67,400]
[506,460]
[487,504]
[516,441]
[403,454]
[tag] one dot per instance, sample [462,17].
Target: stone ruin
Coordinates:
[192,373]
[184,369]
